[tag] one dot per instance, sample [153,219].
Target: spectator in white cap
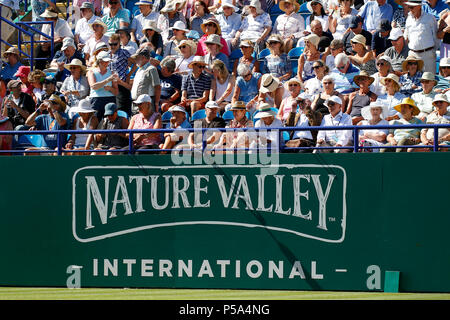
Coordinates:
[67,53]
[169,14]
[86,120]
[444,68]
[398,52]
[146,118]
[229,20]
[179,120]
[83,30]
[421,34]
[424,98]
[374,115]
[146,13]
[179,34]
[334,138]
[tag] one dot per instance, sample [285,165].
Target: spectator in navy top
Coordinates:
[195,86]
[170,84]
[356,27]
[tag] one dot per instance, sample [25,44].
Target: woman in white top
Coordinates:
[392,97]
[125,40]
[222,85]
[314,85]
[341,18]
[373,114]
[179,34]
[290,25]
[317,10]
[187,49]
[267,138]
[83,30]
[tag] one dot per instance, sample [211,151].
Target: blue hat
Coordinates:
[355,21]
[50,78]
[193,35]
[110,108]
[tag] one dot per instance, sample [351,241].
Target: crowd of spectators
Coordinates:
[371,62]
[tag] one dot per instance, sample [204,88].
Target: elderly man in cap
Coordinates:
[146,79]
[373,12]
[421,34]
[441,115]
[266,118]
[83,30]
[398,52]
[424,98]
[177,121]
[111,121]
[9,69]
[146,13]
[116,18]
[195,86]
[334,138]
[18,105]
[65,56]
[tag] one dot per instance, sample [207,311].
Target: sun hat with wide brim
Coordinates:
[84,106]
[413,3]
[256,4]
[365,111]
[309,4]
[265,111]
[293,79]
[214,39]
[99,22]
[144,3]
[429,76]
[363,74]
[409,102]
[269,83]
[49,14]
[393,77]
[313,38]
[11,50]
[151,25]
[229,4]
[211,20]
[238,105]
[359,38]
[197,60]
[179,25]
[104,56]
[292,2]
[444,62]
[75,63]
[440,97]
[412,58]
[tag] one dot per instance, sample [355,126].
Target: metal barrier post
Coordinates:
[436,139]
[355,140]
[130,143]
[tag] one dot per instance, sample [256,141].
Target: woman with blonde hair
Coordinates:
[187,49]
[277,62]
[222,85]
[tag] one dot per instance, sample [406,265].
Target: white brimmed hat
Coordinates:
[265,111]
[100,23]
[229,3]
[256,4]
[177,108]
[143,98]
[144,3]
[197,60]
[269,83]
[414,2]
[444,62]
[393,77]
[211,105]
[440,97]
[75,63]
[309,3]
[150,25]
[179,25]
[293,79]
[104,56]
[214,39]
[395,34]
[359,38]
[84,106]
[365,111]
[68,42]
[334,99]
[49,14]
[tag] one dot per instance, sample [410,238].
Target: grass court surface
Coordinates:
[15,293]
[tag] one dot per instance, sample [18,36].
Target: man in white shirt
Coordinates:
[83,30]
[421,34]
[334,138]
[147,13]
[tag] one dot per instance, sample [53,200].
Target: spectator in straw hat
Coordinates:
[211,26]
[271,90]
[179,34]
[356,27]
[363,59]
[277,62]
[200,15]
[169,14]
[403,137]
[424,98]
[289,25]
[83,30]
[76,86]
[116,17]
[308,57]
[393,96]
[213,47]
[412,67]
[373,115]
[187,50]
[229,21]
[98,36]
[195,86]
[9,69]
[146,14]
[67,53]
[398,52]
[266,119]
[18,105]
[153,39]
[360,98]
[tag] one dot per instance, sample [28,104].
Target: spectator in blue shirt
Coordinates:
[373,11]
[435,7]
[116,18]
[11,66]
[67,53]
[343,74]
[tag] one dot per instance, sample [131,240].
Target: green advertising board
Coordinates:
[309,222]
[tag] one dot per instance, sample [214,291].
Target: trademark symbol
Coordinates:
[332,219]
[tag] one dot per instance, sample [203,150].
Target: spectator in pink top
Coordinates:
[211,26]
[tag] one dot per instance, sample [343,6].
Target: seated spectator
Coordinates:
[17,106]
[233,139]
[289,25]
[147,118]
[49,87]
[317,10]
[152,38]
[356,27]
[67,53]
[384,68]
[119,65]
[125,41]
[247,86]
[200,15]
[170,85]
[104,88]
[443,33]
[12,65]
[277,62]
[393,96]
[361,98]
[424,99]
[248,57]
[179,34]
[334,138]
[373,115]
[413,69]
[213,47]
[86,120]
[271,91]
[222,85]
[177,121]
[317,29]
[76,86]
[146,13]
[116,17]
[343,74]
[404,137]
[98,37]
[439,116]
[22,75]
[229,21]
[211,121]
[256,26]
[195,86]
[169,14]
[435,7]
[209,27]
[268,138]
[363,59]
[336,46]
[50,116]
[319,101]
[187,49]
[308,57]
[341,18]
[380,39]
[289,103]
[314,85]
[398,52]
[5,139]
[61,30]
[111,141]
[99,47]
[83,31]
[36,79]
[146,79]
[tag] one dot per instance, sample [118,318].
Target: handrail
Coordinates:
[355,133]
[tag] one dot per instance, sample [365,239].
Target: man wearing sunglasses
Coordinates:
[116,18]
[343,74]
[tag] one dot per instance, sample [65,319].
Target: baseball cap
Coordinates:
[354,22]
[334,99]
[211,104]
[395,34]
[110,108]
[143,98]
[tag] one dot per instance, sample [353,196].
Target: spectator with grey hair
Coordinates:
[329,90]
[170,84]
[336,46]
[343,74]
[247,86]
[384,67]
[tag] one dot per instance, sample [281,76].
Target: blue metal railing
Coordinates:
[131,150]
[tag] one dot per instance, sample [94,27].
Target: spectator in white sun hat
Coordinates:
[179,34]
[424,98]
[229,21]
[374,115]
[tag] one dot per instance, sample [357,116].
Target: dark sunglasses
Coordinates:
[293,84]
[201,66]
[317,67]
[380,63]
[328,82]
[113,44]
[209,24]
[183,46]
[412,63]
[330,103]
[113,2]
[247,75]
[272,42]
